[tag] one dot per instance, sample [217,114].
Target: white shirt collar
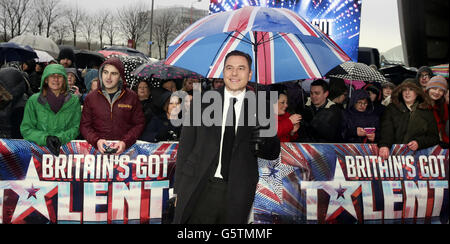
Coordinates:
[239,97]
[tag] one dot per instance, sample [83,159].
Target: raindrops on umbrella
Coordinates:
[130,63]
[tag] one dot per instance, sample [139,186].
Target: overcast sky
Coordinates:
[379,18]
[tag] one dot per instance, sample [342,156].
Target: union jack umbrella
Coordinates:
[283,45]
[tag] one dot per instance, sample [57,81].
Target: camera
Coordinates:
[109,150]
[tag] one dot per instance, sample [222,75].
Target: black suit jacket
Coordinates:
[197,157]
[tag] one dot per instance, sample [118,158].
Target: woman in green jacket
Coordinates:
[408,120]
[52,116]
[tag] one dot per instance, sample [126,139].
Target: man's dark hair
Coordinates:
[321,83]
[242,54]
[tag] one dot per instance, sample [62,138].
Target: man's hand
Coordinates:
[256,140]
[413,145]
[101,144]
[120,146]
[383,153]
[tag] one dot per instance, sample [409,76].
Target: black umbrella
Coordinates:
[10,51]
[88,59]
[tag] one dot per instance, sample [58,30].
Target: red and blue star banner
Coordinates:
[309,183]
[339,19]
[348,183]
[83,186]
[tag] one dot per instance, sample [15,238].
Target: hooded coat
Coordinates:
[12,102]
[39,120]
[399,125]
[120,118]
[419,72]
[352,119]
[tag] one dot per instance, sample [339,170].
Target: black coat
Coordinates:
[352,119]
[322,125]
[399,125]
[197,157]
[12,102]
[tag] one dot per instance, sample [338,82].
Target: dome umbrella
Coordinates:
[283,45]
[38,43]
[14,52]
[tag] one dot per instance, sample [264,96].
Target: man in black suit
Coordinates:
[217,169]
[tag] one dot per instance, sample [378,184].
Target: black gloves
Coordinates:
[264,147]
[53,144]
[256,140]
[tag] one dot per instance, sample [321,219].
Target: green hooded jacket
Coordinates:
[39,121]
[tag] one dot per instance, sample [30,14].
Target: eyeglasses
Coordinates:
[424,76]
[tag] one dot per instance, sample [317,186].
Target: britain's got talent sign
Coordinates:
[309,183]
[83,186]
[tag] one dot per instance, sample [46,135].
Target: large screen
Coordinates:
[340,19]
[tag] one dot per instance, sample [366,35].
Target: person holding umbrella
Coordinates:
[52,116]
[217,170]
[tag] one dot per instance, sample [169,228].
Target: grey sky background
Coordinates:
[379,18]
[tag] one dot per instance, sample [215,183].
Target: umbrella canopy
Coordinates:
[107,53]
[38,43]
[163,71]
[43,57]
[441,70]
[127,50]
[14,52]
[88,59]
[398,73]
[359,72]
[282,44]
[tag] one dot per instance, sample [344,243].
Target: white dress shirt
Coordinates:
[237,108]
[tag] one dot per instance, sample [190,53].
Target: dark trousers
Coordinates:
[211,206]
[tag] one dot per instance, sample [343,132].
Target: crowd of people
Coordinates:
[414,113]
[52,104]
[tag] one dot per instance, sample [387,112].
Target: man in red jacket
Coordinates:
[113,111]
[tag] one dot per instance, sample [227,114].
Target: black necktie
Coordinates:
[228,140]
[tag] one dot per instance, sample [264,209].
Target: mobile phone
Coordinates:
[370,130]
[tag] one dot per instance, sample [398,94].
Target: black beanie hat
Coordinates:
[67,52]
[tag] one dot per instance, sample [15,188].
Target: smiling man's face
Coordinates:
[236,73]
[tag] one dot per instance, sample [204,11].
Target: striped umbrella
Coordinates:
[441,69]
[282,44]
